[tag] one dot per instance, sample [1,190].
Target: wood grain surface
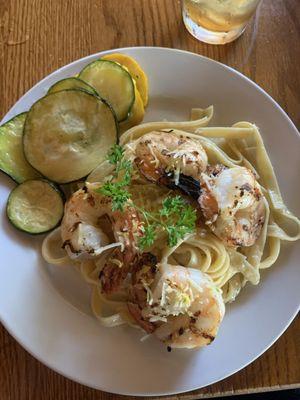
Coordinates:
[39,36]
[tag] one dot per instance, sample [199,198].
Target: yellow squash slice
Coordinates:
[136,115]
[135,71]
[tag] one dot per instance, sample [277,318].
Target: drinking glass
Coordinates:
[217,21]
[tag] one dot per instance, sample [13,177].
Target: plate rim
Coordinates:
[284,115]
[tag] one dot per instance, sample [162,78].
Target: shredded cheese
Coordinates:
[109,246]
[116,262]
[155,159]
[145,337]
[177,174]
[149,292]
[174,301]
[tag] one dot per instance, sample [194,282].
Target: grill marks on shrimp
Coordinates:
[143,273]
[161,153]
[69,244]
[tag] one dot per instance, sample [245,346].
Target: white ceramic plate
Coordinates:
[46,308]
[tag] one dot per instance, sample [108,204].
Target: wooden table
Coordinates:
[39,36]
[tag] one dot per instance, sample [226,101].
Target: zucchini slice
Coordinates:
[35,206]
[135,71]
[12,160]
[68,133]
[72,83]
[113,83]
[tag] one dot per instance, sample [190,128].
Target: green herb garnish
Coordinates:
[116,187]
[116,154]
[176,217]
[148,238]
[116,191]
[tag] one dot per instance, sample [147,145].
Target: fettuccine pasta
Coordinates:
[230,268]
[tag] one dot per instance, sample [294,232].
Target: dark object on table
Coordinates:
[278,395]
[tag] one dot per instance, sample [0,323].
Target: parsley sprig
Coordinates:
[176,217]
[116,187]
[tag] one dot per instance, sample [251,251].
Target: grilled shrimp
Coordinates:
[232,204]
[181,306]
[230,198]
[158,153]
[90,227]
[81,233]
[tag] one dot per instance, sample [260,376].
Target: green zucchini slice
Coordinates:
[68,133]
[35,206]
[12,160]
[113,83]
[72,83]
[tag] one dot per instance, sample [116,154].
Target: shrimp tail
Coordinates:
[187,185]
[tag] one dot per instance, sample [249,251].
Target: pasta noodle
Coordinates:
[229,268]
[52,249]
